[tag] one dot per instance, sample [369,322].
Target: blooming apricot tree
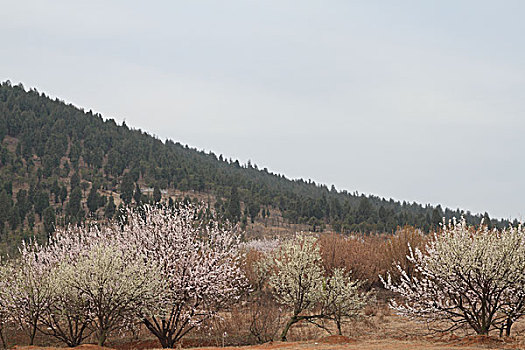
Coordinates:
[199,263]
[469,277]
[6,273]
[162,266]
[342,299]
[298,281]
[113,287]
[29,292]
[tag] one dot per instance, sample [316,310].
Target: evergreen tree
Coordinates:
[253,210]
[137,196]
[31,219]
[41,202]
[487,221]
[94,200]
[49,220]
[126,189]
[74,205]
[75,181]
[233,211]
[157,195]
[109,210]
[15,219]
[23,203]
[5,208]
[63,194]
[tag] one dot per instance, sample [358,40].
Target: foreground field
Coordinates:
[382,330]
[341,342]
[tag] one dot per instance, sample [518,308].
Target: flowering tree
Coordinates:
[6,274]
[113,287]
[29,293]
[342,299]
[65,314]
[261,245]
[84,280]
[298,280]
[199,262]
[469,277]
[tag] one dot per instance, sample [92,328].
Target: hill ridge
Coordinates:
[56,155]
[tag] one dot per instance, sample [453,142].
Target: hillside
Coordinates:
[60,164]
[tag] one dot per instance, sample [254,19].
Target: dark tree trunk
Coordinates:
[167,341]
[289,324]
[32,335]
[508,326]
[4,344]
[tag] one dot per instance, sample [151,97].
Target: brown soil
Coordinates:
[81,347]
[334,343]
[336,339]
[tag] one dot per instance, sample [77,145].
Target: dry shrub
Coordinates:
[370,256]
[363,255]
[266,320]
[397,248]
[249,267]
[262,318]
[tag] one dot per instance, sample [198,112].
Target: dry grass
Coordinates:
[381,331]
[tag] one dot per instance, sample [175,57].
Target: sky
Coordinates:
[413,100]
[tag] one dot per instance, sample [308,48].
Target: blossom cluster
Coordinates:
[469,277]
[162,266]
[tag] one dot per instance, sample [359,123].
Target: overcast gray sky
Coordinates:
[415,100]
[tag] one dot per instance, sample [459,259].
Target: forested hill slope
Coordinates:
[62,164]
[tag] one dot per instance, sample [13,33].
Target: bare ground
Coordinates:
[382,331]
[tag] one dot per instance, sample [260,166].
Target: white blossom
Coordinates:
[199,262]
[469,277]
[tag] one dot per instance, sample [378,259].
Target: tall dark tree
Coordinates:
[487,221]
[109,210]
[126,189]
[41,202]
[63,194]
[157,195]
[75,181]
[94,199]
[15,219]
[74,208]
[233,210]
[253,210]
[49,219]
[137,196]
[5,208]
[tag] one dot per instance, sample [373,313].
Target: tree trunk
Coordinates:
[338,323]
[290,322]
[508,326]
[165,341]
[32,335]
[102,338]
[4,344]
